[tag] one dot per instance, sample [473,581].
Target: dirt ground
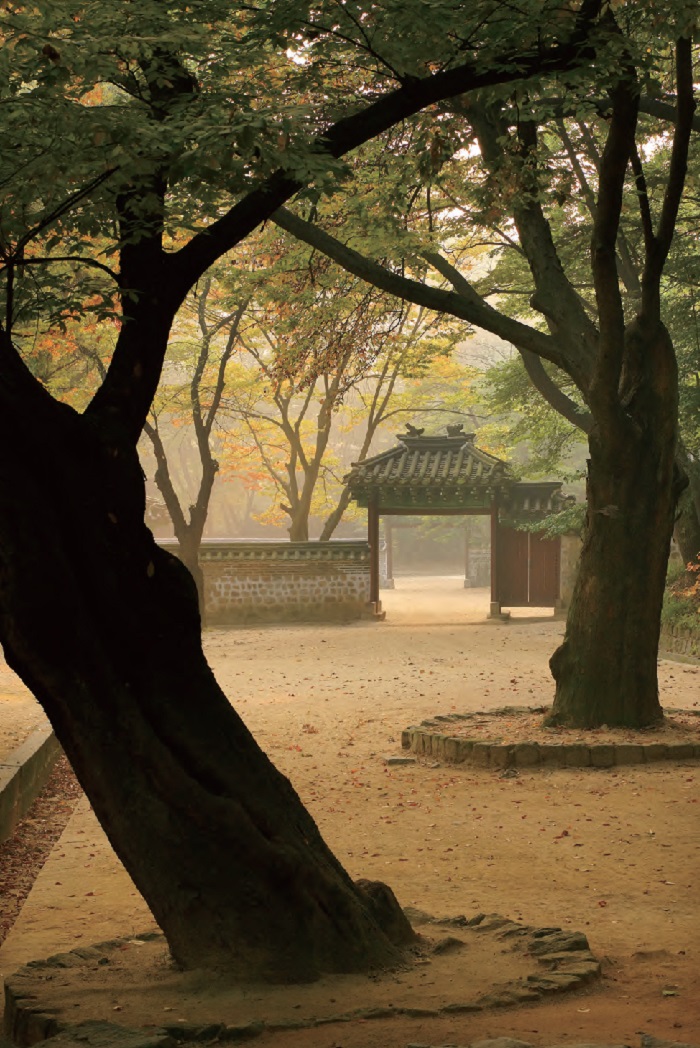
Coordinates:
[613,853]
[19,713]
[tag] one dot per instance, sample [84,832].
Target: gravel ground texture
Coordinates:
[24,854]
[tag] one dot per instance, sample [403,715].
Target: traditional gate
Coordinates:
[441,475]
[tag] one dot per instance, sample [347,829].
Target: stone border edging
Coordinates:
[23,775]
[424,741]
[563,955]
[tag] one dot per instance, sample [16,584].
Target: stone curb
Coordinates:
[425,741]
[23,775]
[562,959]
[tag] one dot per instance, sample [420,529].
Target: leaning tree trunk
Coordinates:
[605,670]
[103,626]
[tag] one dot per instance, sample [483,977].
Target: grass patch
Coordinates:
[681,607]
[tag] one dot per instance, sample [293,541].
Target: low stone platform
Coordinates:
[478,963]
[431,739]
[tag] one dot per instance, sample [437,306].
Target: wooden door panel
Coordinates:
[544,571]
[528,569]
[512,567]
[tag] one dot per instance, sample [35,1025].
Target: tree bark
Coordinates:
[103,626]
[605,670]
[299,527]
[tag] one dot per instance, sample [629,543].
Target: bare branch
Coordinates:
[619,146]
[588,194]
[220,384]
[685,109]
[643,198]
[63,208]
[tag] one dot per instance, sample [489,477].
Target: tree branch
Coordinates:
[619,146]
[665,110]
[62,208]
[347,134]
[154,283]
[471,308]
[165,483]
[36,260]
[656,257]
[643,198]
[627,267]
[220,385]
[267,461]
[573,332]
[554,396]
[588,194]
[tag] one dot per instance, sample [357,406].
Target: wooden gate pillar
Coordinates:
[495,606]
[373,539]
[389,537]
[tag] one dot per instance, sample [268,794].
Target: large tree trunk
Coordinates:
[299,528]
[605,670]
[300,512]
[103,626]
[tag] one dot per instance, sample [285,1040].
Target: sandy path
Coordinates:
[613,853]
[20,713]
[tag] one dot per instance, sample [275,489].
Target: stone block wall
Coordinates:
[249,582]
[679,641]
[570,553]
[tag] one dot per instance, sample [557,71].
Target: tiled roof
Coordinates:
[536,498]
[432,470]
[448,473]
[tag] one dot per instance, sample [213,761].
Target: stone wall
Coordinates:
[570,553]
[249,582]
[679,641]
